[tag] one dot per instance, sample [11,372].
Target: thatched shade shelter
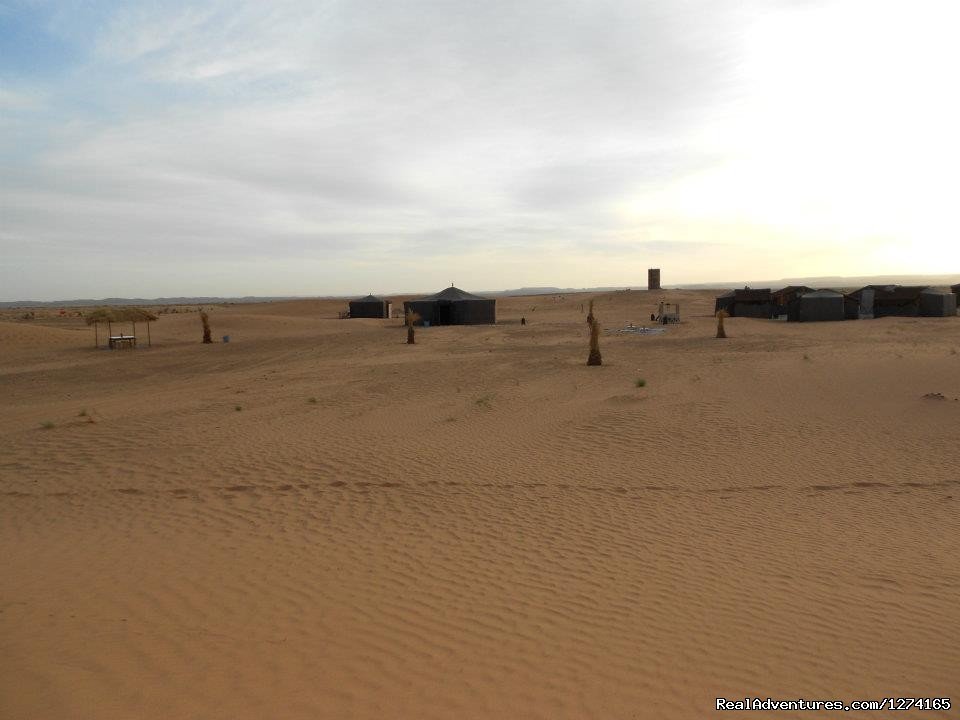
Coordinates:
[370,307]
[110,315]
[453,306]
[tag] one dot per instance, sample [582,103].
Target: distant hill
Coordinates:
[831,281]
[823,282]
[88,302]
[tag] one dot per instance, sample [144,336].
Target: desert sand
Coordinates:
[317,520]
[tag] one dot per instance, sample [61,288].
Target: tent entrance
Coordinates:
[444,314]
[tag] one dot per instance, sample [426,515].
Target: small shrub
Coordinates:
[806,357]
[82,413]
[641,383]
[312,400]
[238,408]
[484,400]
[47,425]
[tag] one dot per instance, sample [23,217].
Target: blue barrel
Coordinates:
[226,338]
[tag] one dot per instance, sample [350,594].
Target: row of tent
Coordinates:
[451,306]
[804,304]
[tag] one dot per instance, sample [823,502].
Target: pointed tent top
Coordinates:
[452,293]
[370,298]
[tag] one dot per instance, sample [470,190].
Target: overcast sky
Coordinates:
[306,147]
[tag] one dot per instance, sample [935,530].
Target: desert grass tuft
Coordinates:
[205,319]
[641,383]
[312,400]
[47,425]
[484,400]
[238,408]
[82,413]
[721,332]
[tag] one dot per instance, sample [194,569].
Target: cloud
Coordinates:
[293,135]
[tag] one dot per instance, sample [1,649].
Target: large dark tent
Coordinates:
[891,300]
[369,307]
[453,306]
[724,302]
[782,298]
[746,303]
[956,291]
[817,305]
[937,303]
[852,309]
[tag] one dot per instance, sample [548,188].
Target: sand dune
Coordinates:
[319,521]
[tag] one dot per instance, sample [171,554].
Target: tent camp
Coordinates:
[937,303]
[817,305]
[956,291]
[746,303]
[370,307]
[453,306]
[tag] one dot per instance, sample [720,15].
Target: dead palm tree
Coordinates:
[205,319]
[594,357]
[721,333]
[411,319]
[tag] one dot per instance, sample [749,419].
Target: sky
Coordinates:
[313,147]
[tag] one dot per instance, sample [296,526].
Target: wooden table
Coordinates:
[123,341]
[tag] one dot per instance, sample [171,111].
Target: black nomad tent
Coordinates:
[724,302]
[937,303]
[956,291]
[453,306]
[782,298]
[746,303]
[369,307]
[890,300]
[817,305]
[852,309]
